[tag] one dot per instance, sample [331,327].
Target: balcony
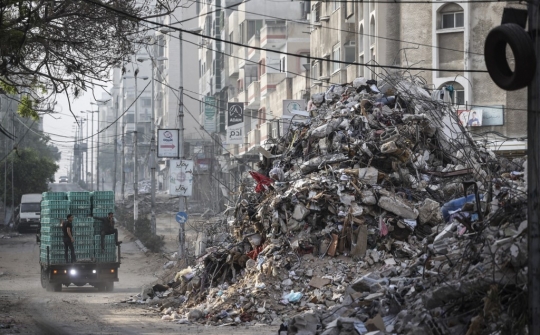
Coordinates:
[269,82]
[242,96]
[273,37]
[254,54]
[242,54]
[352,73]
[254,139]
[233,66]
[254,95]
[339,77]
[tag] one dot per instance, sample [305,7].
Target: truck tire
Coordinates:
[109,286]
[100,287]
[44,278]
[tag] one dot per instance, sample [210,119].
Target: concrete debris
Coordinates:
[368,226]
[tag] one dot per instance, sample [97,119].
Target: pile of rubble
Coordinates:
[377,213]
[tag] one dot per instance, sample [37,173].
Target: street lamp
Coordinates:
[135,156]
[98,104]
[91,151]
[152,161]
[83,120]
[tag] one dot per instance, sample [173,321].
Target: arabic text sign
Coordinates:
[181,177]
[167,144]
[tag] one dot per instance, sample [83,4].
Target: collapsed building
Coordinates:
[377,212]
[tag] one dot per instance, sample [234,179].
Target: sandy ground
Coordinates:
[29,309]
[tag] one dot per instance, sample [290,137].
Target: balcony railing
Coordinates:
[269,82]
[233,66]
[254,54]
[242,54]
[273,37]
[254,95]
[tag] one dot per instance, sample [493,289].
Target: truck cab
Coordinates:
[29,212]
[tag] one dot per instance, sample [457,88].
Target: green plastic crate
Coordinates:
[103,195]
[55,212]
[54,196]
[51,230]
[55,204]
[79,196]
[81,213]
[101,212]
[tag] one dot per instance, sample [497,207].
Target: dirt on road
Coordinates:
[26,308]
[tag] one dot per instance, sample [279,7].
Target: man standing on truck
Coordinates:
[67,228]
[107,228]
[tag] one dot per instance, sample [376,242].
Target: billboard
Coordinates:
[168,145]
[292,105]
[210,114]
[235,123]
[181,177]
[470,118]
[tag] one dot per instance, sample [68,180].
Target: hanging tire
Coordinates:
[522,47]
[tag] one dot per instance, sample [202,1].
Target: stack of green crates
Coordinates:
[86,230]
[109,254]
[54,208]
[102,203]
[81,205]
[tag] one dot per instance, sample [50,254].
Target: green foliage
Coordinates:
[26,108]
[31,174]
[8,89]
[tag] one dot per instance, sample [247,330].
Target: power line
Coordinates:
[337,29]
[269,50]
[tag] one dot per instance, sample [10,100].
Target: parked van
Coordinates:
[29,212]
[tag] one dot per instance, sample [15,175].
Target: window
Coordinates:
[335,5]
[336,57]
[452,20]
[283,64]
[457,92]
[262,66]
[349,51]
[315,71]
[146,102]
[372,31]
[316,12]
[451,35]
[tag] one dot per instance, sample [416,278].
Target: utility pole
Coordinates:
[153,159]
[92,156]
[115,141]
[97,152]
[135,158]
[181,207]
[533,180]
[122,165]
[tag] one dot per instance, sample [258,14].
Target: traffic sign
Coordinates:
[168,143]
[181,217]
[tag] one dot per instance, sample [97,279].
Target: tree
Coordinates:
[49,47]
[31,174]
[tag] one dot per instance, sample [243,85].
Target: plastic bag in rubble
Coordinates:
[293,296]
[187,273]
[277,174]
[358,82]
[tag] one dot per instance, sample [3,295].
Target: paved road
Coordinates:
[83,310]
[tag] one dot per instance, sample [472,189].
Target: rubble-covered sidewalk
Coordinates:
[377,214]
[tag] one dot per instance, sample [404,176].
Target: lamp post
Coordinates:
[152,160]
[84,170]
[98,104]
[135,155]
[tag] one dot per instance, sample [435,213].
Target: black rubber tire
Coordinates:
[44,279]
[100,287]
[109,286]
[522,46]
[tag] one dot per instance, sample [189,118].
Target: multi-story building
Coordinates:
[442,35]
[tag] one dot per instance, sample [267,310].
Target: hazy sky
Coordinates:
[64,122]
